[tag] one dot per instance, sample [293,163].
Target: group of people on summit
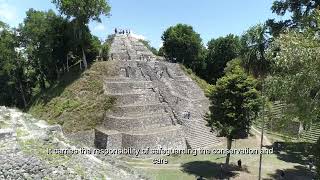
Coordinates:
[121,31]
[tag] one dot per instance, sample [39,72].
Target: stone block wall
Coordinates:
[137,110]
[137,123]
[107,139]
[172,138]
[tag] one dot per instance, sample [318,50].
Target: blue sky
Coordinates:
[149,18]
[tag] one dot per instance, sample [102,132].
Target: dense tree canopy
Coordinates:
[14,83]
[295,66]
[42,38]
[300,9]
[37,53]
[82,11]
[220,52]
[183,44]
[301,12]
[255,42]
[296,74]
[161,51]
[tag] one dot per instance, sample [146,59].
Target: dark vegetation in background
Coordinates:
[36,55]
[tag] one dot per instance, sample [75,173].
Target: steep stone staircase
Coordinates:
[312,134]
[157,104]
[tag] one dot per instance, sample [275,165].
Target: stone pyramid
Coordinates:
[157,105]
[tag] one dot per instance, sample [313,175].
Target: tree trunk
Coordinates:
[262,130]
[42,82]
[84,59]
[67,63]
[64,68]
[41,78]
[22,95]
[300,129]
[229,143]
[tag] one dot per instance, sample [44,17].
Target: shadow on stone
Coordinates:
[209,169]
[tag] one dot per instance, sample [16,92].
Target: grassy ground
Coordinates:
[290,159]
[77,102]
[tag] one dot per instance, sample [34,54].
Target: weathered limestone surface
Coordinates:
[25,146]
[157,104]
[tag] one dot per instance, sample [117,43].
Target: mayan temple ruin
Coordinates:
[157,104]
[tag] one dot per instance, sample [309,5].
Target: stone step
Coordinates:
[315,137]
[146,97]
[196,140]
[199,130]
[313,132]
[202,144]
[137,123]
[200,141]
[190,99]
[198,134]
[127,86]
[195,124]
[181,78]
[5,133]
[203,137]
[134,82]
[120,53]
[185,89]
[137,110]
[184,115]
[165,137]
[117,79]
[191,122]
[310,139]
[196,111]
[176,70]
[188,90]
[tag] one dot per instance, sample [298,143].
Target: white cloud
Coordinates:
[8,13]
[99,27]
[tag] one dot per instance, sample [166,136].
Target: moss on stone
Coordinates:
[40,150]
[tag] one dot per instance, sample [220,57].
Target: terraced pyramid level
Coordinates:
[157,105]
